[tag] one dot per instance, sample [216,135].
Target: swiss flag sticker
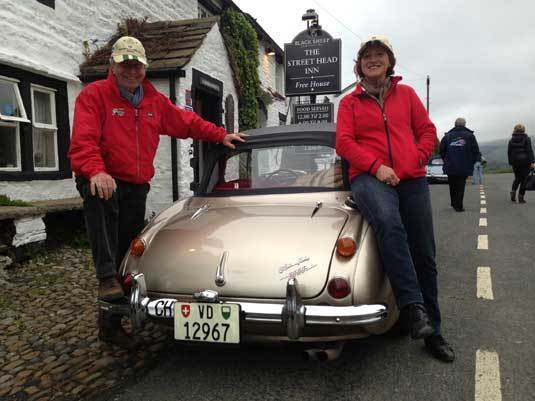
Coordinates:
[184,308]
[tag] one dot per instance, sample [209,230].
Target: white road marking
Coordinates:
[484,283]
[483,210]
[487,380]
[483,222]
[483,242]
[483,202]
[483,197]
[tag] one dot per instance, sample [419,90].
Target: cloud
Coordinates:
[479,54]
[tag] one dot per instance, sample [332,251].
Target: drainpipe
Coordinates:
[174,153]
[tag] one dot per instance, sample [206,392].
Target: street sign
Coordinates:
[312,64]
[313,113]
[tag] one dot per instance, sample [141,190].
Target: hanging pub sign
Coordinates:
[313,113]
[312,64]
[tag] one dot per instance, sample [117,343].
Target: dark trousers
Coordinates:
[457,184]
[112,224]
[521,172]
[402,219]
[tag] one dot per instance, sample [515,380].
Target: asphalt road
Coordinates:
[387,368]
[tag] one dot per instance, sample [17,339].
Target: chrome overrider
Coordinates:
[292,313]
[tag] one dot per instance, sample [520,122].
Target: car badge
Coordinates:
[185,310]
[206,296]
[117,112]
[225,312]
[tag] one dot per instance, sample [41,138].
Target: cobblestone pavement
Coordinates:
[48,336]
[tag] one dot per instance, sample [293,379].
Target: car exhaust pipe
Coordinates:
[324,354]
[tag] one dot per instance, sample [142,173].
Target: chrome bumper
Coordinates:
[292,314]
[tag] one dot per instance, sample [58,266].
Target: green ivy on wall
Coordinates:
[242,44]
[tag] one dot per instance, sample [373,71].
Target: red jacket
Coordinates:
[110,135]
[400,136]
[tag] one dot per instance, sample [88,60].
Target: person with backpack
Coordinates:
[459,150]
[520,156]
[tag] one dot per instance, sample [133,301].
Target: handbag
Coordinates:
[529,182]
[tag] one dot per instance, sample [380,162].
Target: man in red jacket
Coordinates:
[117,124]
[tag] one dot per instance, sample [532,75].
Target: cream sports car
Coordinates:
[270,247]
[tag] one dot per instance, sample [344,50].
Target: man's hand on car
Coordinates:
[233,137]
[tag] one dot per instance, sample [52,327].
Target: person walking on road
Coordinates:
[520,155]
[116,129]
[459,150]
[386,136]
[477,174]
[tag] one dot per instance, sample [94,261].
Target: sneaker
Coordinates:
[521,199]
[513,196]
[419,324]
[109,289]
[438,346]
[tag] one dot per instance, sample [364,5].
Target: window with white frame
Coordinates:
[11,107]
[34,126]
[44,131]
[12,113]
[9,146]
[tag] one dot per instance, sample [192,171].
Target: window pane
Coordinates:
[42,112]
[44,149]
[8,146]
[8,100]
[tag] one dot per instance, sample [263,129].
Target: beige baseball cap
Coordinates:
[379,39]
[128,48]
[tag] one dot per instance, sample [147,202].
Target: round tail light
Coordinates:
[346,247]
[338,288]
[137,247]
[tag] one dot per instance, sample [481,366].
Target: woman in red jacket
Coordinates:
[385,134]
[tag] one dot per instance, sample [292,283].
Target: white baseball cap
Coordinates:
[128,48]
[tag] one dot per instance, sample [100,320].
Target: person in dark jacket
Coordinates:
[116,130]
[386,136]
[520,154]
[459,150]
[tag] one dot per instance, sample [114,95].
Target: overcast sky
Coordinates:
[480,55]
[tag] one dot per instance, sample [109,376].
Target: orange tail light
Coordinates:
[346,247]
[137,247]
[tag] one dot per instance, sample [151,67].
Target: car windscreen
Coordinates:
[436,162]
[284,166]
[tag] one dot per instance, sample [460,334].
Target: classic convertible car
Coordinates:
[270,247]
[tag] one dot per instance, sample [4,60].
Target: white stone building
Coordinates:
[39,82]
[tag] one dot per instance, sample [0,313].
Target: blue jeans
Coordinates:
[402,219]
[477,176]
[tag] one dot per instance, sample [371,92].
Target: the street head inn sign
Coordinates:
[312,64]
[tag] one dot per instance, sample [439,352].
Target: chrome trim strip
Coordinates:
[317,208]
[220,272]
[200,211]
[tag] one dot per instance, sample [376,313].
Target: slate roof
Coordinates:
[169,45]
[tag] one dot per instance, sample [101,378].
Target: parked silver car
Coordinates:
[434,170]
[269,248]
